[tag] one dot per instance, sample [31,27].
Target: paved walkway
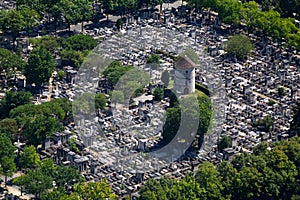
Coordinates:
[15,190]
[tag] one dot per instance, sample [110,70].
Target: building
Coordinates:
[184,79]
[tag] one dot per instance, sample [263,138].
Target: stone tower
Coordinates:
[184,79]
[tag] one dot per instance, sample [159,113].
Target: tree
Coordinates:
[158,94]
[12,100]
[239,46]
[229,178]
[281,91]
[9,127]
[40,66]
[72,145]
[69,11]
[80,42]
[7,156]
[30,16]
[51,43]
[128,5]
[39,121]
[172,124]
[73,58]
[260,149]
[119,24]
[264,124]
[131,89]
[85,10]
[249,14]
[61,75]
[108,6]
[29,158]
[115,71]
[94,190]
[11,22]
[10,62]
[34,182]
[224,143]
[209,178]
[66,175]
[8,166]
[117,96]
[100,101]
[188,108]
[153,58]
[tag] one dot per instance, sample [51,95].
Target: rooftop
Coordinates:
[185,63]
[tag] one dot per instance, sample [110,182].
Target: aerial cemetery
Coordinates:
[151,96]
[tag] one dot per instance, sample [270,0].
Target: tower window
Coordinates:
[186,71]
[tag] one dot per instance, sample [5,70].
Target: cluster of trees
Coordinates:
[187,107]
[286,8]
[7,155]
[269,173]
[40,176]
[46,180]
[10,62]
[268,22]
[82,191]
[72,50]
[76,48]
[28,13]
[33,123]
[15,20]
[41,64]
[59,11]
[129,5]
[127,81]
[115,71]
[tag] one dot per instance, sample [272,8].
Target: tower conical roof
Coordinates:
[185,63]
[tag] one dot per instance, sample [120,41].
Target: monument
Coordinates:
[184,79]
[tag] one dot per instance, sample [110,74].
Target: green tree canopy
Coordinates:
[95,190]
[115,71]
[100,101]
[29,158]
[158,94]
[224,143]
[12,100]
[153,58]
[40,66]
[239,46]
[80,42]
[39,121]
[7,156]
[10,62]
[9,127]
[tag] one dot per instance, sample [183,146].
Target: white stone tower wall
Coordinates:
[184,78]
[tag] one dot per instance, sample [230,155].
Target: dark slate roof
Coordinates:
[185,63]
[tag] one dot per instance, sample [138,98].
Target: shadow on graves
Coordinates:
[65,33]
[105,23]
